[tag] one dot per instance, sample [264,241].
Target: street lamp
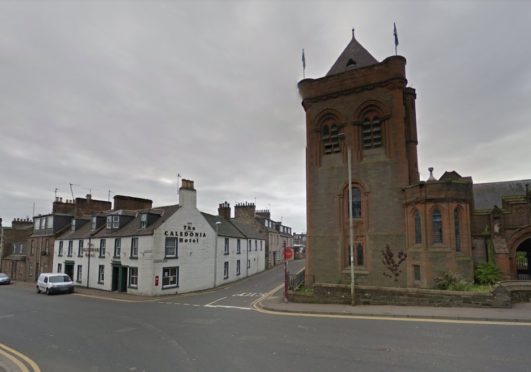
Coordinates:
[350,222]
[216,253]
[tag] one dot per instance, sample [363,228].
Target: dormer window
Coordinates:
[94,223]
[73,224]
[351,63]
[109,222]
[115,222]
[143,220]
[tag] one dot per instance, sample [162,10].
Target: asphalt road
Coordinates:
[218,331]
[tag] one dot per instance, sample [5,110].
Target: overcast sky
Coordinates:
[122,96]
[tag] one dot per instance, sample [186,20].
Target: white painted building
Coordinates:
[156,251]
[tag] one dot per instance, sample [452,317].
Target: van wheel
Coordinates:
[38,289]
[47,292]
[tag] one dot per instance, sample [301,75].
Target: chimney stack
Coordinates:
[224,210]
[187,194]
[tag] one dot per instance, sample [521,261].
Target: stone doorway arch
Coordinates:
[523,260]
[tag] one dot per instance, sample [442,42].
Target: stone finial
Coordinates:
[431,178]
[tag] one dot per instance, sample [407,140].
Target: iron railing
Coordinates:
[296,280]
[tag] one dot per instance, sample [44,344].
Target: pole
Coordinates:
[88,268]
[285,274]
[350,225]
[216,254]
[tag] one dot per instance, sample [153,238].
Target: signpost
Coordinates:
[288,255]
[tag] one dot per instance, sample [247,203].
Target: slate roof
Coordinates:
[354,56]
[487,195]
[248,230]
[226,228]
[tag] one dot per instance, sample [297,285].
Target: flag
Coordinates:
[303,60]
[396,34]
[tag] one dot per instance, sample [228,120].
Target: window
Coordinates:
[248,264]
[49,222]
[171,247]
[59,268]
[238,247]
[73,225]
[226,250]
[133,277]
[115,222]
[261,241]
[255,245]
[225,270]
[134,247]
[46,242]
[356,203]
[109,222]
[32,249]
[80,249]
[79,273]
[248,246]
[436,222]
[117,247]
[238,267]
[359,255]
[143,220]
[94,223]
[457,230]
[418,234]
[102,247]
[170,277]
[371,132]
[60,253]
[101,274]
[330,137]
[416,273]
[70,247]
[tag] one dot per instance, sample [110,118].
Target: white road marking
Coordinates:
[213,302]
[229,307]
[7,316]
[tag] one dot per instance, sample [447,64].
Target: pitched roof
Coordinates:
[354,56]
[250,231]
[487,195]
[226,228]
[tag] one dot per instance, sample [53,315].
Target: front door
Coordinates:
[69,270]
[115,277]
[123,279]
[523,261]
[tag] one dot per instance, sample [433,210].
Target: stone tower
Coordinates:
[365,105]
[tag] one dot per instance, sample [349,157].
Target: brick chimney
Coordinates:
[264,213]
[130,202]
[224,210]
[244,210]
[187,194]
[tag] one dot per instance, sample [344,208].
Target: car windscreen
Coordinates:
[59,279]
[2,275]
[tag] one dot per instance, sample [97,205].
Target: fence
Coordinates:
[296,280]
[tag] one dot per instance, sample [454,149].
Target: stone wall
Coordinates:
[503,295]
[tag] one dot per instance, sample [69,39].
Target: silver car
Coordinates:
[4,279]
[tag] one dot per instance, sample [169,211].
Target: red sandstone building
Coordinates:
[436,226]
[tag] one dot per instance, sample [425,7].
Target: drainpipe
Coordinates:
[216,254]
[88,268]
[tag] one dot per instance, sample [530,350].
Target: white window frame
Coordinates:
[101,274]
[226,248]
[79,273]
[102,248]
[117,247]
[134,247]
[115,222]
[167,271]
[133,279]
[238,267]
[226,270]
[168,248]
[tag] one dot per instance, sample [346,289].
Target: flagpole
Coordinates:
[395,34]
[303,64]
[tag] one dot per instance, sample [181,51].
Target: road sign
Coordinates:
[288,253]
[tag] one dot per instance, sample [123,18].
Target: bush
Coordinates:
[452,282]
[487,273]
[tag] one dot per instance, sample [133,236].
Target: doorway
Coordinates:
[69,269]
[523,261]
[119,278]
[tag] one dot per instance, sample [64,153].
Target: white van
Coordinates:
[54,283]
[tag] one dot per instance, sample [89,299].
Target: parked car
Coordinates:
[5,279]
[54,283]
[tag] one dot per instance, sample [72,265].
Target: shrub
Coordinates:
[452,282]
[487,273]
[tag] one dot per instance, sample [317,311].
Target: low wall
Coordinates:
[503,295]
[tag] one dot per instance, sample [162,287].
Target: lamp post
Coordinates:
[216,254]
[350,225]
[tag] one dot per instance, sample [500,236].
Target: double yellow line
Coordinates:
[22,362]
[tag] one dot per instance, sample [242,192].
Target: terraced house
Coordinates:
[152,251]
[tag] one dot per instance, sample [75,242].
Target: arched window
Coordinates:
[457,230]
[356,203]
[436,223]
[418,233]
[359,255]
[330,138]
[371,131]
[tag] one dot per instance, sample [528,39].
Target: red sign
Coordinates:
[288,253]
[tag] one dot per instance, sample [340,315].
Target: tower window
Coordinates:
[436,221]
[330,138]
[371,132]
[359,255]
[356,203]
[418,234]
[457,230]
